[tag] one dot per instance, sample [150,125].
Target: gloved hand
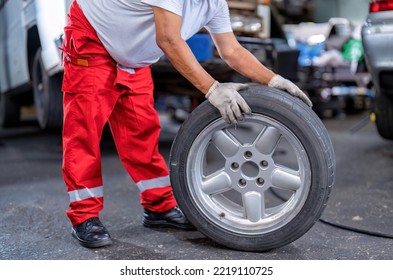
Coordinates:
[225,97]
[284,84]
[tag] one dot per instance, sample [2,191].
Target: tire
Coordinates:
[384,116]
[248,194]
[47,95]
[9,111]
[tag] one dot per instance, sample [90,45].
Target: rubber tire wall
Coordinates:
[304,123]
[384,114]
[47,95]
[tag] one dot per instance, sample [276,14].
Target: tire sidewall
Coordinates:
[41,97]
[304,123]
[384,115]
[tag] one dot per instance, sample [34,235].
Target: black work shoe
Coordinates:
[173,218]
[91,233]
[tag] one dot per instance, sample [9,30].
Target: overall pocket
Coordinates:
[140,82]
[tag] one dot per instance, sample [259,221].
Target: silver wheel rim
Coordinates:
[250,179]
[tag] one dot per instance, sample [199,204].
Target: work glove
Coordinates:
[284,84]
[226,98]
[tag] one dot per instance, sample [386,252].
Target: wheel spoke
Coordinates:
[217,183]
[284,178]
[268,140]
[225,144]
[254,206]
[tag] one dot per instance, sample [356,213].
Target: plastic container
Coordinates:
[202,46]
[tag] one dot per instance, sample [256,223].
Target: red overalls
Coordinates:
[96,92]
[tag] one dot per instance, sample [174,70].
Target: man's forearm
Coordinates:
[168,38]
[182,58]
[248,65]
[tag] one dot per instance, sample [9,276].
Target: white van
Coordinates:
[30,60]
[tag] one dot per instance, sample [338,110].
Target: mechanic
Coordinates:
[108,49]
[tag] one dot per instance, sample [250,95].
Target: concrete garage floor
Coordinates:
[33,201]
[363,195]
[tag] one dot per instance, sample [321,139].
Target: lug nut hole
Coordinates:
[235,166]
[248,154]
[264,163]
[242,182]
[260,182]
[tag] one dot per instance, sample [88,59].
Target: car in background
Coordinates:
[30,60]
[377,39]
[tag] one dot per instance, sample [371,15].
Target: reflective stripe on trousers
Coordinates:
[86,193]
[153,183]
[78,195]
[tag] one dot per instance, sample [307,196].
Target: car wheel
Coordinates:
[257,185]
[47,95]
[384,115]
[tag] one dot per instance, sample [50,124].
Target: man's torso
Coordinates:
[127,30]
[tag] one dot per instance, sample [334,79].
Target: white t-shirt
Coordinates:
[127,31]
